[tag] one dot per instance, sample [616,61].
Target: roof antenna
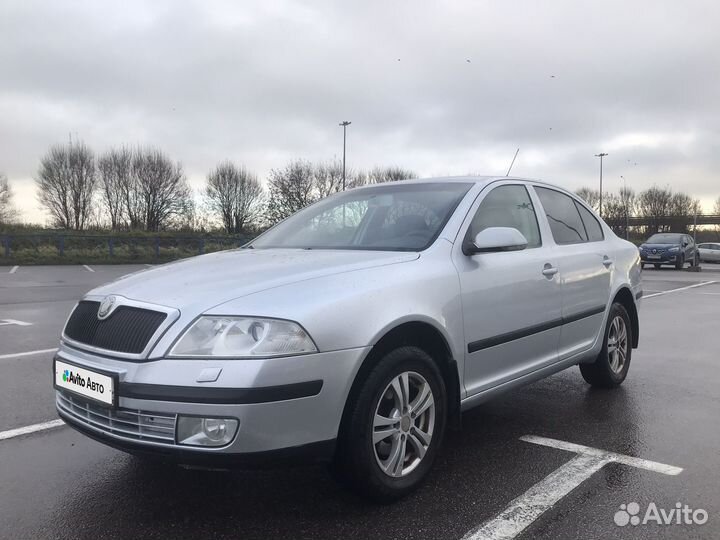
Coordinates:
[512,162]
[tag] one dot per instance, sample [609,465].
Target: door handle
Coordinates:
[549,270]
[607,261]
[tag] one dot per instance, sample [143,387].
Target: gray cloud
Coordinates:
[263,82]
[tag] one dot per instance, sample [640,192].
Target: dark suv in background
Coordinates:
[669,248]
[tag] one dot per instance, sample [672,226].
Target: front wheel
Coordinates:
[394,428]
[611,366]
[680,263]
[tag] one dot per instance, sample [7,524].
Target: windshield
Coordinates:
[664,239]
[399,217]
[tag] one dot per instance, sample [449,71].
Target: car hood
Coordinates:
[659,246]
[199,283]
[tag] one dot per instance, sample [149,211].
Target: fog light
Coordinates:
[198,431]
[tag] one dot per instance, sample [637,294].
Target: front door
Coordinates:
[511,300]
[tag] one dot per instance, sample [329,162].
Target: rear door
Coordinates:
[585,263]
[511,300]
[714,252]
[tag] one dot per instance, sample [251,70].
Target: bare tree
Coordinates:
[629,200]
[328,178]
[301,183]
[590,196]
[655,203]
[235,195]
[290,189]
[379,175]
[67,183]
[7,212]
[157,193]
[115,171]
[614,212]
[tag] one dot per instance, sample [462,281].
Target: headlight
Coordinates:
[243,337]
[674,249]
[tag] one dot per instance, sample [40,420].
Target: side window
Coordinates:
[592,226]
[563,216]
[507,206]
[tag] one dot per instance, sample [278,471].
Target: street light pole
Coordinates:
[344,125]
[601,155]
[627,214]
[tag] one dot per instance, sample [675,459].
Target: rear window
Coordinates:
[592,225]
[565,222]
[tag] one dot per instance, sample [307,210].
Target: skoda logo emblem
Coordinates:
[106,307]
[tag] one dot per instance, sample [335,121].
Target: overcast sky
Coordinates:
[443,88]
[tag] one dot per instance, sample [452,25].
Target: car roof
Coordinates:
[480,180]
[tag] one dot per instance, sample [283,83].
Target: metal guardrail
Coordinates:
[109,244]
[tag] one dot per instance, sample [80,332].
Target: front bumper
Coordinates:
[663,259]
[286,407]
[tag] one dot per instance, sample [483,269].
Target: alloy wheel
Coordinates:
[404,423]
[617,344]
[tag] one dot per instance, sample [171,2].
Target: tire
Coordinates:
[680,263]
[657,266]
[611,367]
[361,458]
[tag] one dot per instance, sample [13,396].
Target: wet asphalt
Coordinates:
[59,484]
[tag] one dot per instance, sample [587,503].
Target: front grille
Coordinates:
[128,423]
[128,329]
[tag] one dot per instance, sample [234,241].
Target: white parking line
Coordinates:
[28,353]
[612,456]
[17,432]
[681,289]
[13,269]
[529,506]
[6,322]
[86,267]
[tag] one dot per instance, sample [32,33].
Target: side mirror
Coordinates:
[496,239]
[685,244]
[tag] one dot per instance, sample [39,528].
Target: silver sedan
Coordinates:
[354,332]
[709,252]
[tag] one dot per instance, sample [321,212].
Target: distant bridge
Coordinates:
[679,222]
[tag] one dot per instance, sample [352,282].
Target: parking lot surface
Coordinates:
[55,483]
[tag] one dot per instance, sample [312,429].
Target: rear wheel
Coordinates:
[395,425]
[611,366]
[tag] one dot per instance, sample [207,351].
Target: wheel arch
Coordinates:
[624,297]
[421,334]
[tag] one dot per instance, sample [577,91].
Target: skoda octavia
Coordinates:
[356,331]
